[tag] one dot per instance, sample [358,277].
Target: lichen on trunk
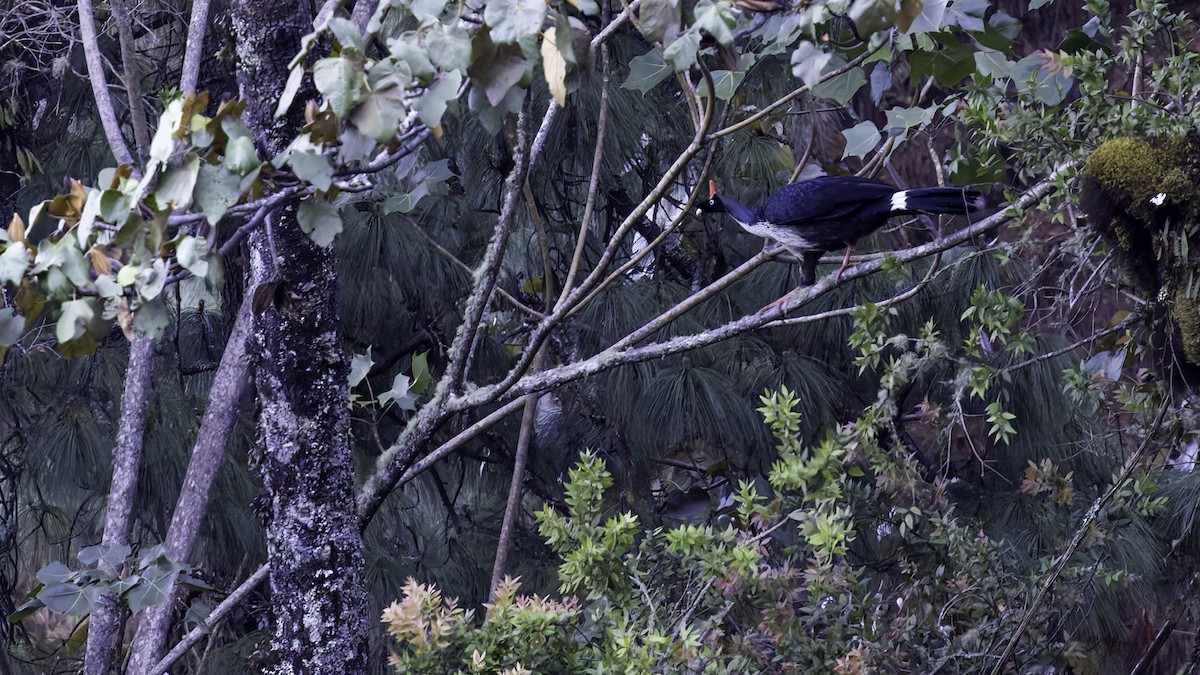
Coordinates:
[318,593]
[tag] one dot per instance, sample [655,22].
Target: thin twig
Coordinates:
[1081,533]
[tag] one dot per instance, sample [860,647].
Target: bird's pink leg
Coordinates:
[845,262]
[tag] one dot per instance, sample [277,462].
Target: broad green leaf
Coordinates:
[432,104]
[340,81]
[152,279]
[73,321]
[175,187]
[951,64]
[1038,4]
[191,252]
[660,20]
[554,66]
[107,286]
[381,112]
[716,18]
[931,17]
[14,262]
[967,14]
[586,7]
[427,8]
[240,156]
[725,82]
[12,326]
[498,68]
[861,139]
[320,221]
[312,166]
[55,573]
[66,599]
[808,62]
[449,47]
[346,34]
[513,20]
[900,120]
[843,87]
[991,63]
[401,392]
[113,555]
[360,366]
[681,54]
[152,318]
[295,78]
[408,53]
[115,206]
[152,589]
[216,190]
[646,71]
[421,375]
[163,143]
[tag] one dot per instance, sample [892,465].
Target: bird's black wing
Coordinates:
[829,198]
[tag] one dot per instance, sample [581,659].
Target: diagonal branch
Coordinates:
[95,67]
[229,383]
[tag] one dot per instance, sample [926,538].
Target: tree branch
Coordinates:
[95,67]
[127,457]
[229,383]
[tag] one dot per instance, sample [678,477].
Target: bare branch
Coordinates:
[229,383]
[127,457]
[194,49]
[1081,533]
[95,67]
[132,78]
[213,619]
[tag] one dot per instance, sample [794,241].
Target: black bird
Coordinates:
[810,217]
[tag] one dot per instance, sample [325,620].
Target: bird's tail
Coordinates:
[950,200]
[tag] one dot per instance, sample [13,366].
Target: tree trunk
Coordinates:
[318,594]
[127,457]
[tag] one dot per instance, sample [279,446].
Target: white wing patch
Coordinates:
[900,200]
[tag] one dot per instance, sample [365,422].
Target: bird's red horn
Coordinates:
[712,189]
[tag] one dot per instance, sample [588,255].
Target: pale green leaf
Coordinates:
[360,366]
[843,87]
[295,78]
[381,112]
[646,71]
[808,62]
[12,325]
[74,318]
[681,54]
[240,156]
[449,48]
[513,20]
[216,190]
[861,139]
[432,104]
[660,20]
[340,81]
[14,262]
[191,253]
[313,167]
[716,18]
[320,221]
[175,187]
[163,143]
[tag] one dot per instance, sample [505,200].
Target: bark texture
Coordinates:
[127,456]
[318,593]
[228,385]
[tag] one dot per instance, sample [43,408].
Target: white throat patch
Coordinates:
[900,200]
